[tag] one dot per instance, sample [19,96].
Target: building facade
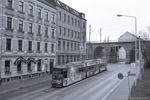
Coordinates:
[71,34]
[27,38]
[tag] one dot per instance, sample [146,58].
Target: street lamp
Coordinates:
[119,15]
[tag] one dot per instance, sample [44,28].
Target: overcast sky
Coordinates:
[103,14]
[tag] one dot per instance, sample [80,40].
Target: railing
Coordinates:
[103,41]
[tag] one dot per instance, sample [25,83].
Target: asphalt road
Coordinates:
[94,88]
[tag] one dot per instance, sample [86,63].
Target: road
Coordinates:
[96,87]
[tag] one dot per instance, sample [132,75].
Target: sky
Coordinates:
[103,14]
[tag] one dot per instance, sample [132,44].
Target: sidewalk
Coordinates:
[23,83]
[123,88]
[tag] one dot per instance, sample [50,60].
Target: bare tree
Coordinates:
[145,47]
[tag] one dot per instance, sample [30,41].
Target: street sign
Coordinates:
[133,65]
[120,76]
[131,74]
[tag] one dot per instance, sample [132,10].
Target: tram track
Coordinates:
[77,86]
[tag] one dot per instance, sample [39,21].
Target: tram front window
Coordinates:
[57,74]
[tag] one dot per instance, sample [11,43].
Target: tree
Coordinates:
[145,47]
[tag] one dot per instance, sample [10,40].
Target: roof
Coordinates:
[69,9]
[48,3]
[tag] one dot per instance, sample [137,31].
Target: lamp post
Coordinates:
[135,32]
[119,15]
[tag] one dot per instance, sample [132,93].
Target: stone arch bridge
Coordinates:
[111,50]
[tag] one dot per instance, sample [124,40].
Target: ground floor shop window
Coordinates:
[39,65]
[7,66]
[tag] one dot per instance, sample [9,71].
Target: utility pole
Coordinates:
[100,35]
[89,32]
[140,58]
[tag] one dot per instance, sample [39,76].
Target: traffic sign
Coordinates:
[133,65]
[131,74]
[120,76]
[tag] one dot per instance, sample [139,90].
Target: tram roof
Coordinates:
[71,64]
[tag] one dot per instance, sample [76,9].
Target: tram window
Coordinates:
[65,74]
[81,70]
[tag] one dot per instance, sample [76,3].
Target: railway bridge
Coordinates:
[114,51]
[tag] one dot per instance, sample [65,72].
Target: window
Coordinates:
[45,47]
[46,16]
[60,15]
[39,13]
[53,18]
[52,47]
[75,34]
[68,19]
[59,45]
[64,17]
[78,35]
[20,6]
[72,33]
[64,45]
[9,3]
[53,32]
[9,23]
[8,44]
[7,66]
[72,20]
[38,46]
[20,45]
[20,25]
[19,67]
[46,31]
[29,66]
[65,74]
[30,46]
[68,32]
[39,64]
[71,46]
[59,59]
[67,45]
[75,46]
[39,29]
[59,29]
[30,27]
[30,10]
[75,22]
[78,23]
[64,29]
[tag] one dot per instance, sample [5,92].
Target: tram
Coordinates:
[67,74]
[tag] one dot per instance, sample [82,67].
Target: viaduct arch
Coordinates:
[111,49]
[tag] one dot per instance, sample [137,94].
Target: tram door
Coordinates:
[51,64]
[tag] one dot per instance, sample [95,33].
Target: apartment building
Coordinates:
[71,34]
[27,38]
